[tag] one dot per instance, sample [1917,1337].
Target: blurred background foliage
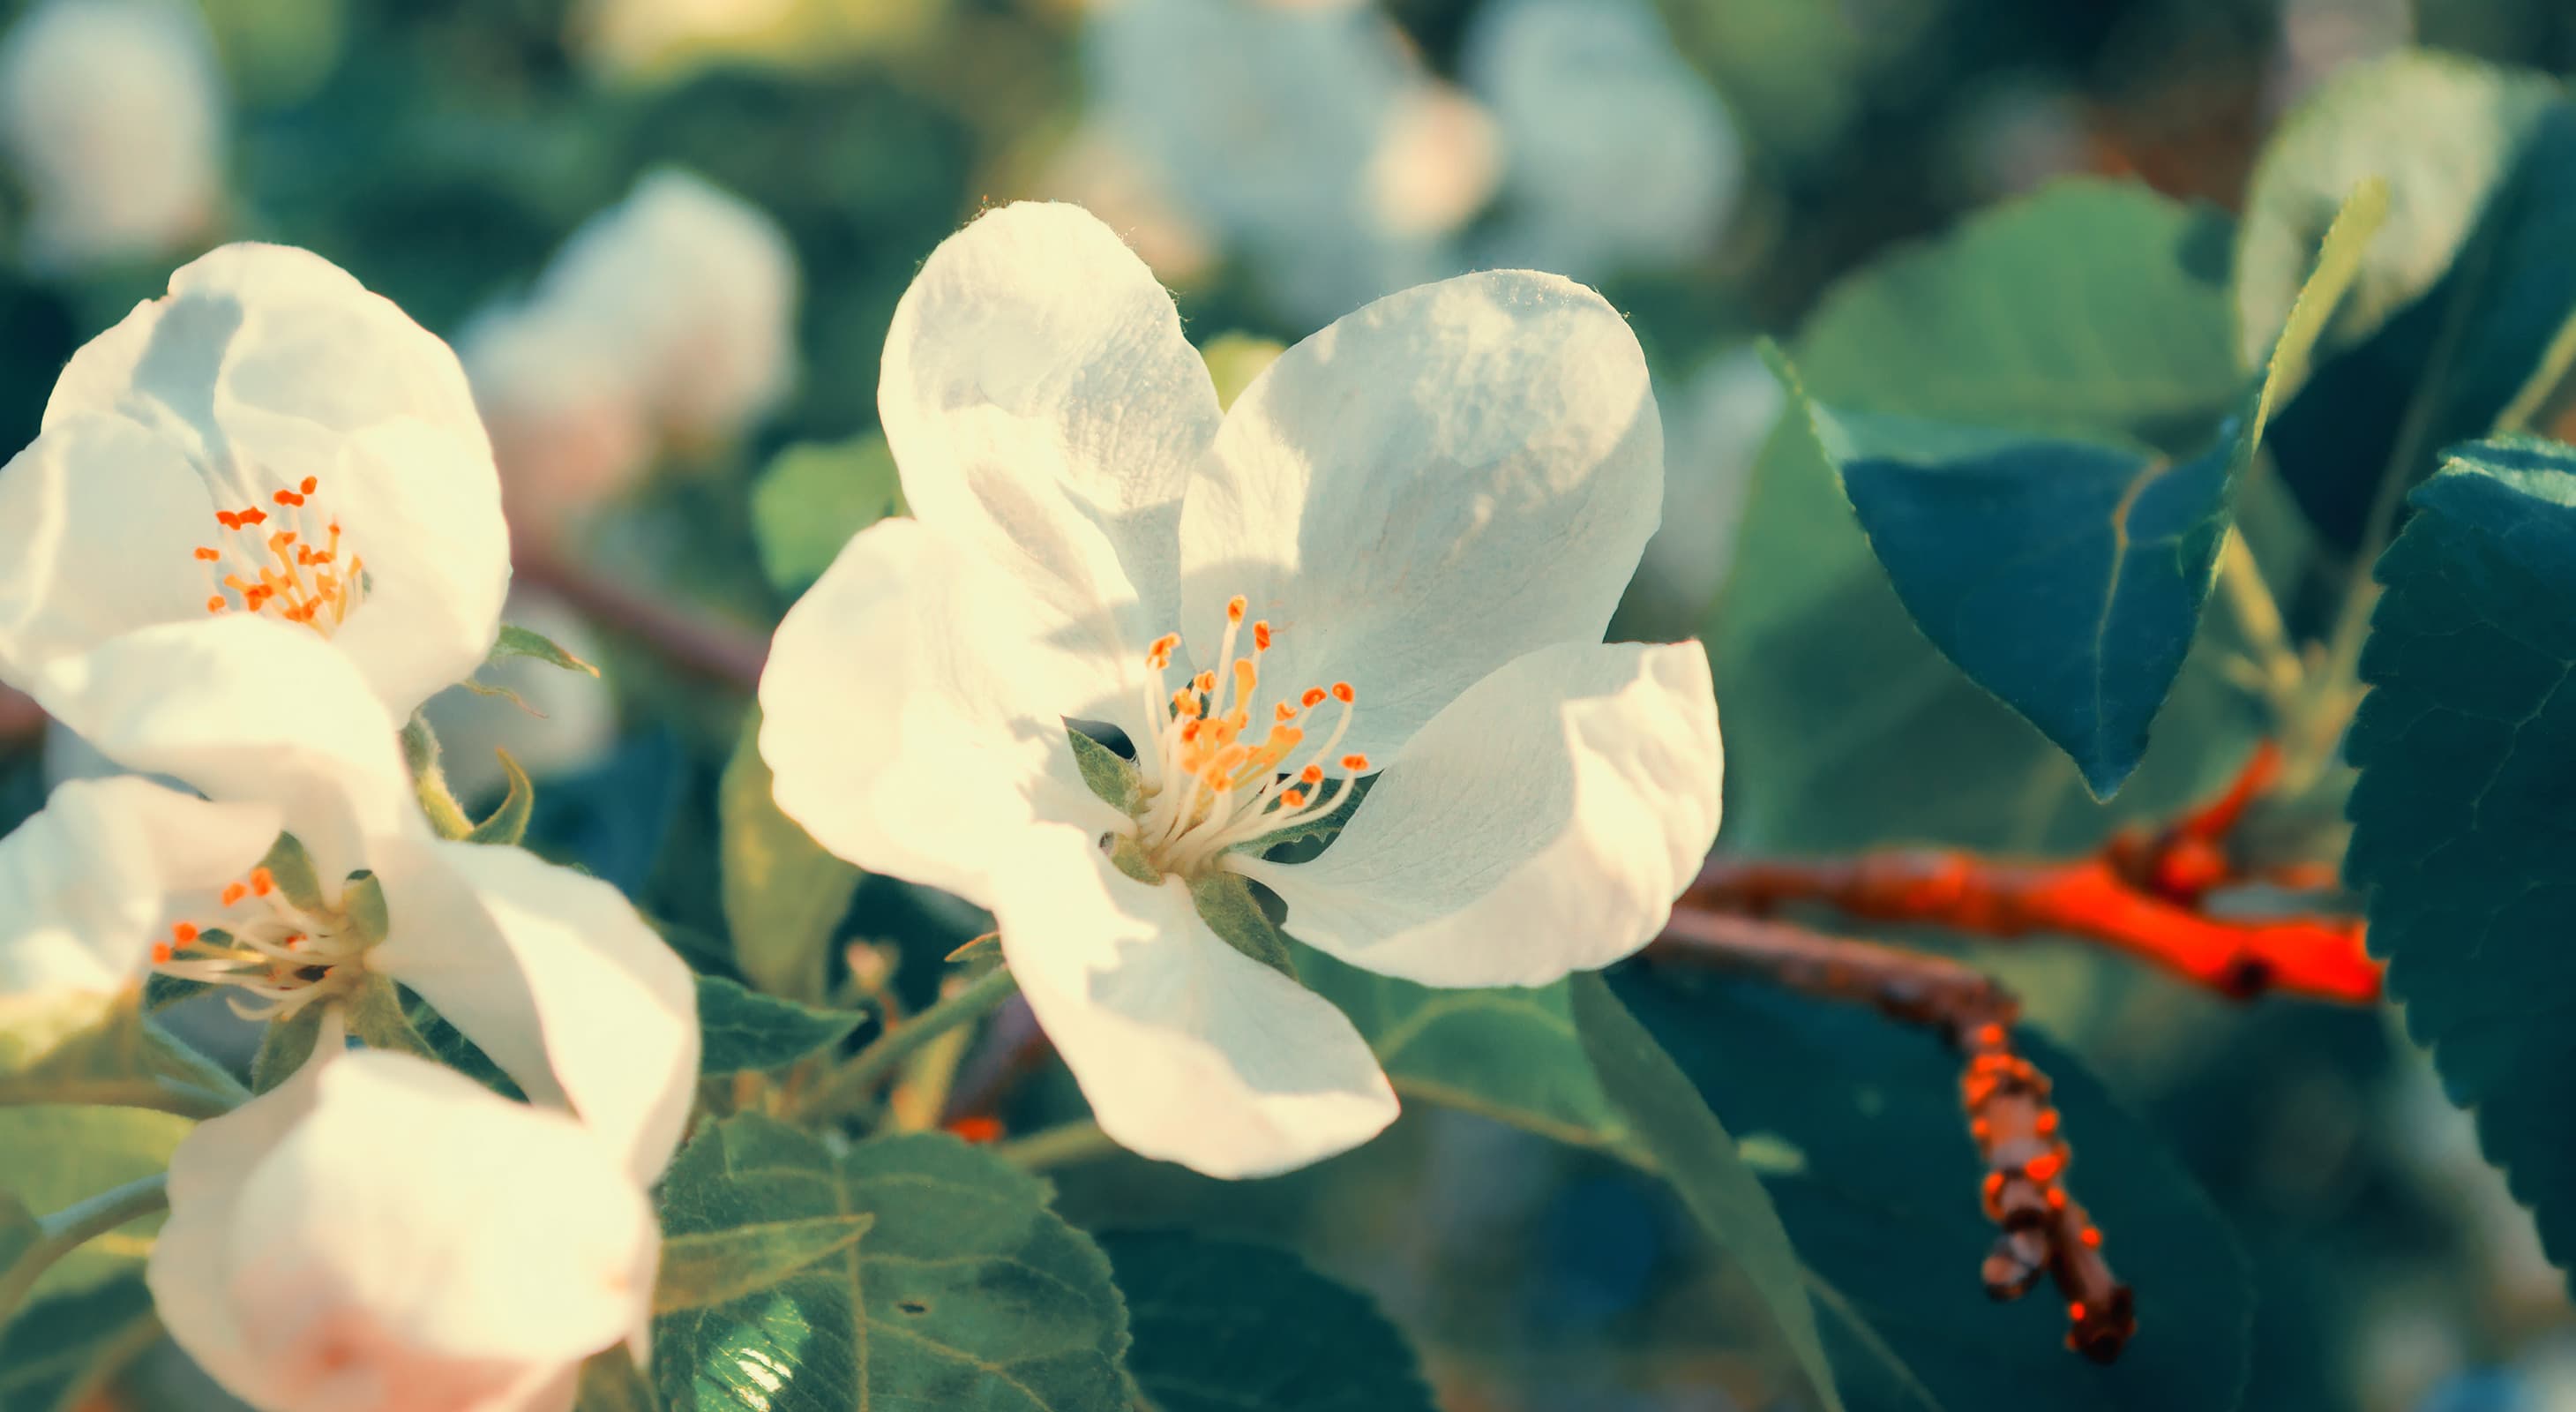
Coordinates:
[443,150]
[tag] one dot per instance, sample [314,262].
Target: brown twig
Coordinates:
[697,642]
[2143,893]
[20,716]
[2042,1229]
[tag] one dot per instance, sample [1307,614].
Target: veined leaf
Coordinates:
[719,1267]
[748,1030]
[813,497]
[2463,842]
[967,1291]
[783,894]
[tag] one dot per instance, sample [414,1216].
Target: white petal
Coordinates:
[268,365]
[914,708]
[415,1243]
[1427,489]
[1189,1051]
[246,709]
[190,1269]
[554,975]
[1043,405]
[100,522]
[85,883]
[1542,824]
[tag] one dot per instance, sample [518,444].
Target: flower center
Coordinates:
[267,947]
[1210,783]
[288,572]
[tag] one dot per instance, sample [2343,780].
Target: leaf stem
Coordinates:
[160,1095]
[74,1226]
[1064,1145]
[2258,614]
[878,1062]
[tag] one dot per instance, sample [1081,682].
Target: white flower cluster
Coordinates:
[588,378]
[1310,138]
[260,526]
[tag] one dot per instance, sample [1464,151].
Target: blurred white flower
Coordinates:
[636,34]
[1306,136]
[86,883]
[1618,154]
[268,440]
[1718,422]
[668,318]
[567,725]
[112,111]
[551,972]
[380,1234]
[1097,172]
[1394,556]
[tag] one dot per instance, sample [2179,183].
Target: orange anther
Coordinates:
[184,933]
[1313,698]
[1292,798]
[1261,635]
[228,519]
[286,497]
[1342,693]
[309,483]
[160,953]
[1312,774]
[208,555]
[234,893]
[262,882]
[254,516]
[1354,763]
[1283,712]
[1234,609]
[1205,682]
[215,604]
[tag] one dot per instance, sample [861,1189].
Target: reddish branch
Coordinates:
[2144,893]
[695,641]
[2041,1229]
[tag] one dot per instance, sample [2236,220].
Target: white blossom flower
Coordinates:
[562,722]
[112,112]
[668,317]
[1617,153]
[550,972]
[380,1234]
[1393,558]
[87,882]
[1307,136]
[271,440]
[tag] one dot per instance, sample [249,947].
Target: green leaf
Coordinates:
[1692,1150]
[1831,689]
[1875,1177]
[516,641]
[58,1352]
[2457,302]
[968,1292]
[73,1047]
[1510,1054]
[18,1229]
[748,1030]
[1111,775]
[508,822]
[610,1382]
[2461,845]
[784,896]
[813,497]
[1235,359]
[1226,1326]
[2067,576]
[719,1267]
[86,1151]
[1225,902]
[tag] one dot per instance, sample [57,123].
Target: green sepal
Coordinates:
[1111,775]
[508,822]
[284,1046]
[516,641]
[1226,903]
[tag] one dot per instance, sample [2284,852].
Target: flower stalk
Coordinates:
[76,1225]
[850,1087]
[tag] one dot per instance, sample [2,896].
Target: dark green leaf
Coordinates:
[1510,1054]
[2463,839]
[718,1267]
[2067,576]
[784,896]
[813,498]
[2456,303]
[1868,1161]
[967,1293]
[1224,1326]
[610,1382]
[516,641]
[58,1352]
[748,1030]
[508,822]
[1692,1150]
